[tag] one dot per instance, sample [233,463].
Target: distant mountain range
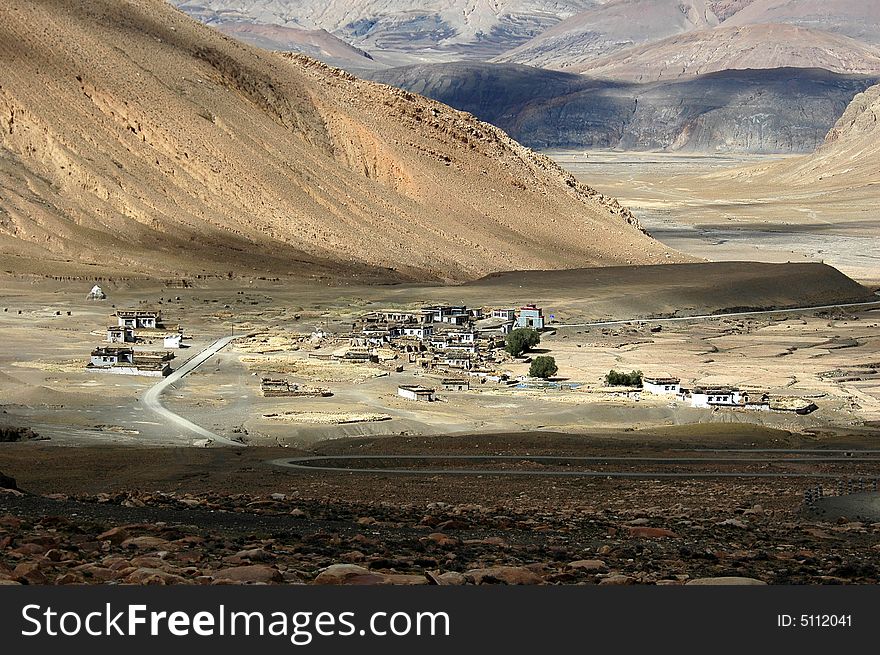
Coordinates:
[649,73]
[737,48]
[617,26]
[775,110]
[430,30]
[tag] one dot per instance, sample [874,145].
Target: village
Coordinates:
[296,368]
[453,349]
[456,348]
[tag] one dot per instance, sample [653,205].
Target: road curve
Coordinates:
[153,398]
[705,317]
[308,464]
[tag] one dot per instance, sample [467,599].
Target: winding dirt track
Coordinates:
[706,317]
[153,398]
[313,464]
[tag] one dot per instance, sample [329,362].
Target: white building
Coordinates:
[504,314]
[706,398]
[661,385]
[418,331]
[137,318]
[416,392]
[171,340]
[120,334]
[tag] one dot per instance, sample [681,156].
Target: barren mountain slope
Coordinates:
[428,28]
[859,19]
[612,27]
[724,48]
[134,138]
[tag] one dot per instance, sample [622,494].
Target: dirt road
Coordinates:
[153,398]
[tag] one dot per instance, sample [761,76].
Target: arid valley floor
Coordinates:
[113,492]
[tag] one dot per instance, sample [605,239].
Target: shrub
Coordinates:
[621,379]
[543,366]
[520,340]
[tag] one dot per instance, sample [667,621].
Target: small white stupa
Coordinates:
[97,293]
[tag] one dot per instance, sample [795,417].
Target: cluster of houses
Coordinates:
[458,341]
[120,357]
[454,337]
[711,397]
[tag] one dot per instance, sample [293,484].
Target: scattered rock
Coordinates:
[650,533]
[617,579]
[114,535]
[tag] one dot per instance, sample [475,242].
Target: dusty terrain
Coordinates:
[136,140]
[165,516]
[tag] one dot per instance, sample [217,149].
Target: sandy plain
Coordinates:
[699,205]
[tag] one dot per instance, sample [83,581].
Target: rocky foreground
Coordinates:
[223,538]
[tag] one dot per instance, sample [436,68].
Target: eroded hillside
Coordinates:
[136,139]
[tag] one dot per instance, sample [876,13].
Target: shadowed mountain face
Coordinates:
[778,110]
[846,162]
[430,29]
[135,139]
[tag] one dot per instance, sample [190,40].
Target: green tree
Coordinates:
[621,379]
[543,366]
[520,340]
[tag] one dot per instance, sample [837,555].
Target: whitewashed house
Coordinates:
[416,392]
[661,385]
[120,334]
[419,331]
[706,398]
[172,340]
[138,318]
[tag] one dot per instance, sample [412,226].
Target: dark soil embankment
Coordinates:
[710,287]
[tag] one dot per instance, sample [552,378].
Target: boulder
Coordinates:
[588,565]
[29,573]
[441,539]
[352,574]
[253,573]
[114,535]
[511,575]
[617,579]
[149,576]
[144,543]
